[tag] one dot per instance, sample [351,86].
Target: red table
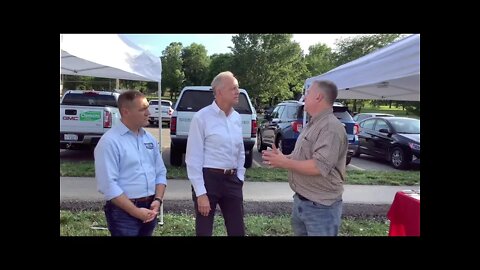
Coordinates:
[404,214]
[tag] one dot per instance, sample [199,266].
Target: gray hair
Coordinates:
[218,80]
[329,89]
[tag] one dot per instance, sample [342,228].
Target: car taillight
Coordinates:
[173,125]
[297,126]
[356,129]
[107,119]
[254,128]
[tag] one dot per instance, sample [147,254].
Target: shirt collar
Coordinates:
[321,115]
[124,129]
[218,110]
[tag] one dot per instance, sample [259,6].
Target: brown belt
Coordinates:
[143,199]
[222,171]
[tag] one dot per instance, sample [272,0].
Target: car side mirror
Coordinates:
[384,130]
[268,116]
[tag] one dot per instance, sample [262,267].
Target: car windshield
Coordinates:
[165,103]
[409,126]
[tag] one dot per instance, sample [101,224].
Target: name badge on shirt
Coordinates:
[149,145]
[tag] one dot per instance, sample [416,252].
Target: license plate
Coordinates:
[70,137]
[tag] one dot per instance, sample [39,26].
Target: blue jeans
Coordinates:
[120,223]
[314,219]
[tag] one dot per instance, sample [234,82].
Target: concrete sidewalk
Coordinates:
[85,189]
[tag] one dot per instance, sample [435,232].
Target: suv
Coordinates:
[166,111]
[361,116]
[284,125]
[194,98]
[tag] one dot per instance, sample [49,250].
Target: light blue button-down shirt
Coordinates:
[128,163]
[214,141]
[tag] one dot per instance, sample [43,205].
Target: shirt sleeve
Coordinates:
[326,151]
[160,170]
[195,154]
[107,169]
[241,158]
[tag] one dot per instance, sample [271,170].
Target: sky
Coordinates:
[219,43]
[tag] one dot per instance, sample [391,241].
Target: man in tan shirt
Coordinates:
[316,165]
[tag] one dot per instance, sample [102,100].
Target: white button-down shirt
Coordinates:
[214,141]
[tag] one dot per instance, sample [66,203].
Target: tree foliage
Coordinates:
[173,76]
[269,66]
[319,60]
[195,64]
[219,63]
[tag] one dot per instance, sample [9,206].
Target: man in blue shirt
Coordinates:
[130,171]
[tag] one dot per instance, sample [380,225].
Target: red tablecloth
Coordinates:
[404,215]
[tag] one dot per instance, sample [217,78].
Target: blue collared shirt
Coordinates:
[128,163]
[214,141]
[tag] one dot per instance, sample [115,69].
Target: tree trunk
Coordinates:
[354,108]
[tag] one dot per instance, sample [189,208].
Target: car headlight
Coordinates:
[414,146]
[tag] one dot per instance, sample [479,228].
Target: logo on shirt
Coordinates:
[149,145]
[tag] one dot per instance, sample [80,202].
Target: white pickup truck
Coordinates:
[85,116]
[166,111]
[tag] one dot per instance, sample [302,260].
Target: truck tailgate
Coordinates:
[81,119]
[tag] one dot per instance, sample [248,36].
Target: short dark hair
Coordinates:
[330,90]
[127,97]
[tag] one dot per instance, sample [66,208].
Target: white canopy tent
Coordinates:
[109,56]
[390,73]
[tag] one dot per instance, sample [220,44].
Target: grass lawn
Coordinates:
[92,223]
[393,178]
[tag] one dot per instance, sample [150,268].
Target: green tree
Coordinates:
[219,63]
[195,64]
[269,66]
[173,76]
[319,60]
[75,82]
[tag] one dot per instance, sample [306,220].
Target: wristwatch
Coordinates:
[158,199]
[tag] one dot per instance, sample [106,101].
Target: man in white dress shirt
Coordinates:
[215,157]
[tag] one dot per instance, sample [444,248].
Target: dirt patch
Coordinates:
[257,208]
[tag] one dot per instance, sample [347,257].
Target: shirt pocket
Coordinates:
[306,148]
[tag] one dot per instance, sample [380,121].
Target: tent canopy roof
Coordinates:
[391,73]
[107,56]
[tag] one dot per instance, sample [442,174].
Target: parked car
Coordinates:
[284,125]
[194,98]
[362,116]
[167,111]
[396,139]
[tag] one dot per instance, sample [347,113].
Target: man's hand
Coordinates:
[274,158]
[146,215]
[203,205]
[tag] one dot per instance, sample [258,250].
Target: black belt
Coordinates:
[302,198]
[143,199]
[222,171]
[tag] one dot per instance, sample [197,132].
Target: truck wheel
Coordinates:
[175,156]
[248,159]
